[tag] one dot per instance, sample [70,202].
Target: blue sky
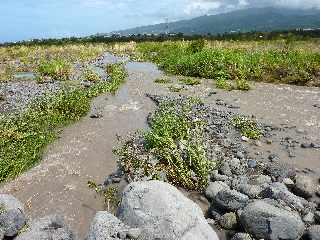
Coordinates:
[26,19]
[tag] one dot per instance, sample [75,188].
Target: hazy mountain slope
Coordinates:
[259,19]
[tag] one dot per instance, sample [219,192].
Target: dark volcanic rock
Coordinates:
[305,186]
[265,221]
[231,200]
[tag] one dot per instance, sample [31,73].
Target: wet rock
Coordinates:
[241,236]
[229,221]
[214,188]
[313,233]
[12,218]
[163,212]
[279,170]
[106,226]
[252,163]
[50,227]
[231,200]
[304,186]
[12,221]
[265,221]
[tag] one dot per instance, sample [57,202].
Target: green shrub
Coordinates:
[247,127]
[177,142]
[90,75]
[196,46]
[56,69]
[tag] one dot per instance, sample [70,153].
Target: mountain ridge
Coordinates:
[245,20]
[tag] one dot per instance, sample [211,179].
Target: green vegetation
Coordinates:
[247,127]
[177,142]
[190,81]
[162,80]
[175,88]
[24,136]
[90,75]
[56,69]
[236,63]
[110,195]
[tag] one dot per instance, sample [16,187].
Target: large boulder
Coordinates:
[50,227]
[12,218]
[162,212]
[265,221]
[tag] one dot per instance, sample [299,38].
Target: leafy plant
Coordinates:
[56,69]
[247,127]
[90,75]
[177,142]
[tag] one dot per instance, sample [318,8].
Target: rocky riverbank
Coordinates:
[247,198]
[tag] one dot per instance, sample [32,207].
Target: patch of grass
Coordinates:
[247,127]
[57,69]
[175,88]
[24,136]
[163,80]
[190,81]
[90,75]
[176,141]
[240,64]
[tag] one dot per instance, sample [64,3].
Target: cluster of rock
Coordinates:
[14,224]
[148,210]
[248,198]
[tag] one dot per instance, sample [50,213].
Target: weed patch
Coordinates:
[56,69]
[175,146]
[247,127]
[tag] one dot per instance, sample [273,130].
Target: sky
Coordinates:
[27,19]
